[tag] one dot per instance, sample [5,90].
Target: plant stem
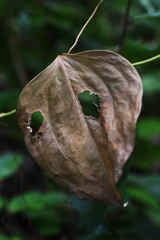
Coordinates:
[146,61]
[126,21]
[7,114]
[84,27]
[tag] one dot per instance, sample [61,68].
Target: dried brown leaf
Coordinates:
[84,155]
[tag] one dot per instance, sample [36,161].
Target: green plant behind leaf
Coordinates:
[9,164]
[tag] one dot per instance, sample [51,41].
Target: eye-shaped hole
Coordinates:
[36,122]
[27,122]
[90,103]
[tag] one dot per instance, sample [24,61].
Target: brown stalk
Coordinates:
[84,27]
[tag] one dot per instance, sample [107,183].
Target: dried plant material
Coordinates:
[84,27]
[82,154]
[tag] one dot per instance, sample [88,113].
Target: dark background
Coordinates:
[32,34]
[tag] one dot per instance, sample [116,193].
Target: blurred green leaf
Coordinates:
[36,201]
[154,216]
[33,201]
[147,128]
[9,164]
[3,237]
[135,51]
[54,199]
[145,154]
[147,4]
[146,16]
[44,210]
[147,182]
[144,197]
[63,11]
[151,82]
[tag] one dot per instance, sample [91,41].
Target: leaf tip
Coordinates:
[125,204]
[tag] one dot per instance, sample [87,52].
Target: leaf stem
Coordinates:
[84,27]
[7,114]
[146,61]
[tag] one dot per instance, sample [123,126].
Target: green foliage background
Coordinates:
[32,34]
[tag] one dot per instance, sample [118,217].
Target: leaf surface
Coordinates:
[84,155]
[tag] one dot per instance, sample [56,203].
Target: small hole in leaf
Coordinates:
[90,103]
[27,122]
[36,121]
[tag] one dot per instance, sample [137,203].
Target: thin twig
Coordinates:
[126,21]
[84,27]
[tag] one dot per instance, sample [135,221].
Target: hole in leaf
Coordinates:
[90,103]
[27,122]
[36,121]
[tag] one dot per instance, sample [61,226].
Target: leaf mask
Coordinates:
[84,155]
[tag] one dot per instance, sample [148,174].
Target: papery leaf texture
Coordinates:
[84,155]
